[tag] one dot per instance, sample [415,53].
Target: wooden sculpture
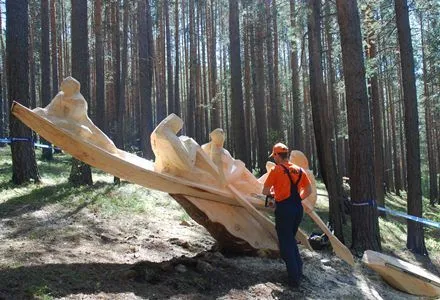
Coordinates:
[403,275]
[178,155]
[298,158]
[68,110]
[208,182]
[231,171]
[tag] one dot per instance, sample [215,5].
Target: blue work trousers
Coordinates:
[288,216]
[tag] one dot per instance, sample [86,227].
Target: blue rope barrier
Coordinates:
[14,139]
[409,217]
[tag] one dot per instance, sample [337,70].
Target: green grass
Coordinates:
[39,292]
[102,197]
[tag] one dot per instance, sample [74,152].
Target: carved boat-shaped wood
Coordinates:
[403,275]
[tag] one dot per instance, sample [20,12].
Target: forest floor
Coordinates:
[127,242]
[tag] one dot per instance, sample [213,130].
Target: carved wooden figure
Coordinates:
[299,159]
[68,110]
[231,171]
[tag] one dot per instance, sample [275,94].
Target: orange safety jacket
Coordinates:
[280,183]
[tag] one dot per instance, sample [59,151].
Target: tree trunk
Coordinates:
[415,235]
[24,165]
[161,103]
[171,98]
[256,45]
[321,120]
[3,100]
[212,62]
[273,108]
[365,226]
[429,128]
[99,68]
[45,88]
[376,112]
[116,70]
[297,128]
[53,31]
[177,65]
[145,76]
[247,96]
[237,108]
[80,173]
[191,102]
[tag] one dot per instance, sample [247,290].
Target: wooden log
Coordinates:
[233,236]
[403,275]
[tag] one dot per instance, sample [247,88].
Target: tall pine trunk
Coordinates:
[415,235]
[429,128]
[256,45]
[99,68]
[45,88]
[145,76]
[297,131]
[321,120]
[24,165]
[365,225]
[237,108]
[80,174]
[376,111]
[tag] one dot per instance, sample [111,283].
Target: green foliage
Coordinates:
[40,293]
[275,137]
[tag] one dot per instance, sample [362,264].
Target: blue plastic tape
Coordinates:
[9,140]
[409,217]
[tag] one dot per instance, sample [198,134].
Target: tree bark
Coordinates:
[145,76]
[429,128]
[45,88]
[191,102]
[365,226]
[321,120]
[171,98]
[237,108]
[256,45]
[177,64]
[53,31]
[212,62]
[80,173]
[376,111]
[297,128]
[24,165]
[99,68]
[415,235]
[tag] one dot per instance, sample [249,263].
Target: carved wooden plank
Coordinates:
[403,275]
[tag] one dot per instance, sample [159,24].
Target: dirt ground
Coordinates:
[59,252]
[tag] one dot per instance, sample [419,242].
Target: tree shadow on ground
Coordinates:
[209,275]
[38,198]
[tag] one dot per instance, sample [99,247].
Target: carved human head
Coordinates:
[299,159]
[269,165]
[217,136]
[70,86]
[173,122]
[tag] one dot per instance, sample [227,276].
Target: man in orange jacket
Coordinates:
[289,184]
